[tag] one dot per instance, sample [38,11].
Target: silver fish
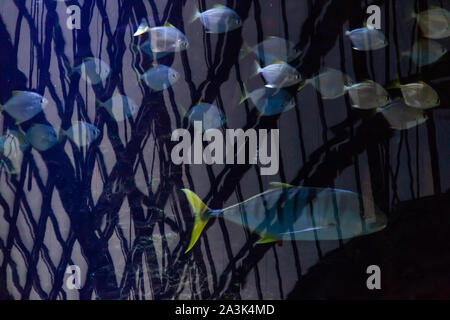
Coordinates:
[165,38]
[434,23]
[120,107]
[367,39]
[11,151]
[160,77]
[425,52]
[279,74]
[331,83]
[82,133]
[294,213]
[270,101]
[368,95]
[419,95]
[210,115]
[273,49]
[42,137]
[93,70]
[219,19]
[24,105]
[402,117]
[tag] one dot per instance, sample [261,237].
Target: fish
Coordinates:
[93,70]
[270,101]
[24,105]
[120,107]
[210,115]
[163,39]
[278,74]
[425,52]
[402,117]
[286,212]
[82,133]
[330,83]
[419,95]
[159,77]
[368,95]
[219,19]
[11,151]
[434,23]
[367,39]
[42,137]
[272,49]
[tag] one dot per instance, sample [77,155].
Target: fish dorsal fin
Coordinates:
[168,24]
[281,185]
[277,61]
[16,92]
[218,5]
[266,239]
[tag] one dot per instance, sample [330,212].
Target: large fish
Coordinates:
[163,39]
[287,212]
[219,19]
[24,105]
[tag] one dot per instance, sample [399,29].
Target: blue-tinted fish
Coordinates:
[82,133]
[270,101]
[434,23]
[165,38]
[11,151]
[210,115]
[160,77]
[331,83]
[367,39]
[120,107]
[279,74]
[294,213]
[24,105]
[42,137]
[273,49]
[425,52]
[93,70]
[368,95]
[219,19]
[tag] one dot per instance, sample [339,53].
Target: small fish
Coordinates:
[160,77]
[270,101]
[219,19]
[287,212]
[24,105]
[273,49]
[402,117]
[367,39]
[165,38]
[368,95]
[11,151]
[42,137]
[93,70]
[425,52]
[120,107]
[279,74]
[419,95]
[210,115]
[82,133]
[331,83]
[434,23]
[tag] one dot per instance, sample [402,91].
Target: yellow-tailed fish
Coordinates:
[288,212]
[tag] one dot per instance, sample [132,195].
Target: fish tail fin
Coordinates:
[267,239]
[256,69]
[195,15]
[245,50]
[142,28]
[201,213]
[244,94]
[394,84]
[302,85]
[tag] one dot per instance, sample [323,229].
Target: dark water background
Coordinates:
[115,208]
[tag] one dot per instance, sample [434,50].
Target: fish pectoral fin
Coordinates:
[266,239]
[281,185]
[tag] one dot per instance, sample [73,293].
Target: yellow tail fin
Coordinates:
[201,213]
